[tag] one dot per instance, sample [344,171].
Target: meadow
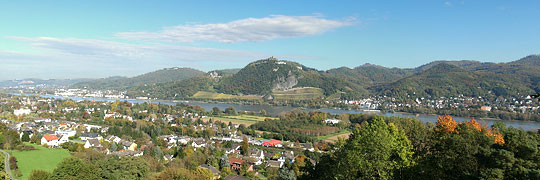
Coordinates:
[42,158]
[305,93]
[240,119]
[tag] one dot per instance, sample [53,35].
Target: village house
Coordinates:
[128,145]
[50,140]
[86,136]
[92,143]
[212,169]
[332,121]
[272,143]
[62,139]
[199,142]
[236,164]
[112,138]
[68,133]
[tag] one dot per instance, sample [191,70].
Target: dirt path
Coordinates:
[6,161]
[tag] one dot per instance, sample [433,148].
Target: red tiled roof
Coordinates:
[235,160]
[272,143]
[50,137]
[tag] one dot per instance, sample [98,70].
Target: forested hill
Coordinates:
[288,80]
[267,75]
[160,76]
[448,80]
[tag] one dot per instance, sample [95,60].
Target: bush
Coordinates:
[39,175]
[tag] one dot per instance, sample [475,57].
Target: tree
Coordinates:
[74,168]
[216,111]
[286,174]
[36,138]
[376,150]
[39,175]
[4,176]
[25,137]
[10,139]
[224,162]
[226,171]
[245,146]
[230,111]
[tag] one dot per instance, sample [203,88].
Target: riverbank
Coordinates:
[277,110]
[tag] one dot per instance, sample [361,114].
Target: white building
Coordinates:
[50,140]
[67,133]
[332,121]
[19,112]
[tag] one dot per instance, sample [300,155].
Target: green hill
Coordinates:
[276,79]
[445,79]
[267,75]
[160,76]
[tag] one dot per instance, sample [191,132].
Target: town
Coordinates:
[105,127]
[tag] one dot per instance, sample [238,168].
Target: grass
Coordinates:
[41,158]
[214,95]
[305,93]
[334,136]
[240,119]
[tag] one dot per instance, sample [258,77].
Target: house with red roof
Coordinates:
[236,164]
[272,143]
[50,140]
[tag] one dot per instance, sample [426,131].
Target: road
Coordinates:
[6,162]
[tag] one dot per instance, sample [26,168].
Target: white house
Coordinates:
[90,127]
[62,139]
[332,121]
[87,136]
[19,112]
[50,140]
[112,138]
[92,143]
[199,142]
[68,133]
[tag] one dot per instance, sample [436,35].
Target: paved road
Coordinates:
[6,161]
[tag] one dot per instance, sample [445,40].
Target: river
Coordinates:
[276,110]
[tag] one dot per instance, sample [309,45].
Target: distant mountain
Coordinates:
[41,82]
[265,76]
[286,80]
[369,74]
[443,79]
[160,76]
[260,78]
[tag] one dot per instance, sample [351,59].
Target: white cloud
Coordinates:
[447,3]
[74,58]
[244,30]
[107,50]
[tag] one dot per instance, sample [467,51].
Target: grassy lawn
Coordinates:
[41,158]
[305,93]
[240,119]
[214,95]
[334,136]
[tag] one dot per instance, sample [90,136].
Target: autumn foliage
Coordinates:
[447,124]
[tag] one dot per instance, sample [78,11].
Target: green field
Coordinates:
[41,158]
[214,95]
[305,93]
[333,136]
[240,119]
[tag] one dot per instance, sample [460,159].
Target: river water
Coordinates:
[276,110]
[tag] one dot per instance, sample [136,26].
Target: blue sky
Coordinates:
[74,39]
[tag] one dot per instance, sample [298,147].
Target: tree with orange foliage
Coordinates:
[499,139]
[446,124]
